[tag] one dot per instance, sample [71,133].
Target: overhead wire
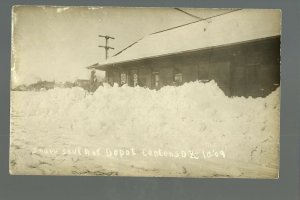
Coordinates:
[187,13]
[200,19]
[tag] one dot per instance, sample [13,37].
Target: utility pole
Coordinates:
[106,47]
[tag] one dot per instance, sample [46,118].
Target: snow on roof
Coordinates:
[233,27]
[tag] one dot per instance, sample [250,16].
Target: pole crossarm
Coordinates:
[106,47]
[106,36]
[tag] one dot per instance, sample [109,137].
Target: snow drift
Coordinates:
[193,116]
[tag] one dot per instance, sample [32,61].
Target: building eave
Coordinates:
[106,66]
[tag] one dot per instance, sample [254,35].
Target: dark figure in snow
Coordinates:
[93,84]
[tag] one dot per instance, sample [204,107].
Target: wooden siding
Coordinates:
[247,69]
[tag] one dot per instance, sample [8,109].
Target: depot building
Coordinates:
[239,50]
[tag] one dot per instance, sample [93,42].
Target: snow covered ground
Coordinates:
[190,131]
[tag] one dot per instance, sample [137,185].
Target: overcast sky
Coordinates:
[57,43]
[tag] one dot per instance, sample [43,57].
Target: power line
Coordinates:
[202,19]
[187,13]
[128,47]
[223,13]
[195,21]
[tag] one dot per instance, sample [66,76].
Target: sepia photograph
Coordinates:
[147,92]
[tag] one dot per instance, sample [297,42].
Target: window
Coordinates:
[156,79]
[135,80]
[123,78]
[178,78]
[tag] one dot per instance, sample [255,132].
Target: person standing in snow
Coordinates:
[93,81]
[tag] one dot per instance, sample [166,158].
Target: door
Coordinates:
[123,78]
[155,80]
[133,79]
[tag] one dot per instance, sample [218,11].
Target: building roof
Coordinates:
[232,27]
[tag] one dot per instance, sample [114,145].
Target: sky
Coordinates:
[58,43]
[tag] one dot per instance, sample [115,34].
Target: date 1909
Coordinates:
[184,154]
